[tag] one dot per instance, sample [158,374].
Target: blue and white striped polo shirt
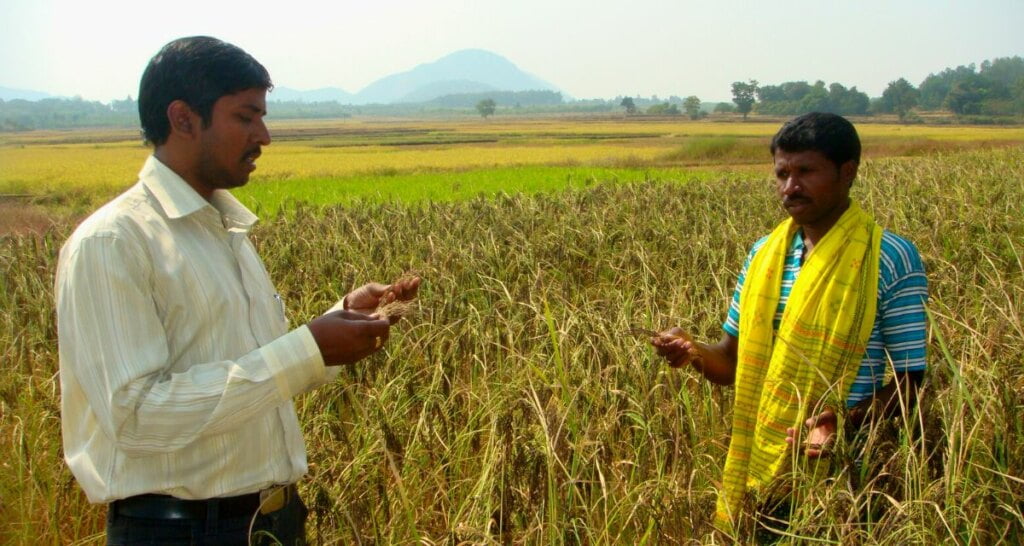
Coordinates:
[900,323]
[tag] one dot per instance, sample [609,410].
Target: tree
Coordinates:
[900,97]
[854,102]
[629,105]
[486,107]
[743,96]
[692,106]
[724,108]
[1018,95]
[966,96]
[816,100]
[663,109]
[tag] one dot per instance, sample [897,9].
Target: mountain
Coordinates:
[466,71]
[430,91]
[325,94]
[7,93]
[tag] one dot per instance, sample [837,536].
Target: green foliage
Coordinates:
[799,97]
[664,109]
[967,91]
[899,97]
[691,105]
[743,95]
[724,108]
[629,105]
[500,98]
[22,115]
[966,96]
[486,107]
[307,110]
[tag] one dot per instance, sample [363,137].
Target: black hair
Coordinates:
[830,134]
[197,70]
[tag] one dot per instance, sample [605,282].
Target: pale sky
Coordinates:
[589,48]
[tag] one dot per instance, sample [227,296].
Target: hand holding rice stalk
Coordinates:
[674,344]
[389,301]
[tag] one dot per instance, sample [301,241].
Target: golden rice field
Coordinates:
[49,164]
[515,408]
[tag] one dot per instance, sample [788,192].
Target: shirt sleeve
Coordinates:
[731,325]
[113,343]
[904,320]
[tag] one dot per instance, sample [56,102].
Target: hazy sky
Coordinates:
[98,48]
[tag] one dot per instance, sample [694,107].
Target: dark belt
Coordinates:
[152,506]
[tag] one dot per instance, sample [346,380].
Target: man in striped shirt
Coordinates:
[816,157]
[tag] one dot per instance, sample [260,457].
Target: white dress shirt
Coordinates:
[177,370]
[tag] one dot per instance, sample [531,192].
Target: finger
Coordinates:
[678,360]
[349,314]
[815,450]
[662,341]
[375,327]
[406,290]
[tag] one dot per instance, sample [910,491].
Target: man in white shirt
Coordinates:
[177,367]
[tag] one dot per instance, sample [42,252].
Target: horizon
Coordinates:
[654,47]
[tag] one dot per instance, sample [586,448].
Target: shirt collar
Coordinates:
[798,240]
[178,199]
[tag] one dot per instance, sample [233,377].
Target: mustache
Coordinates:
[793,199]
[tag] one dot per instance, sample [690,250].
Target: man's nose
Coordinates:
[262,134]
[789,185]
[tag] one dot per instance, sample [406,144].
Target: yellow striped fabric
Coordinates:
[811,361]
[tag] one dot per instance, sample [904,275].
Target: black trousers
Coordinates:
[286,526]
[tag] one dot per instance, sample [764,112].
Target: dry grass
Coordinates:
[514,410]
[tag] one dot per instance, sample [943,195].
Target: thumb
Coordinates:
[376,289]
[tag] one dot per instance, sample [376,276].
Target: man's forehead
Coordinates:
[800,156]
[254,99]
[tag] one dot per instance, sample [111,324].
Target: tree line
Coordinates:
[977,94]
[989,92]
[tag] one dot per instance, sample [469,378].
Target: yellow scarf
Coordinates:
[812,360]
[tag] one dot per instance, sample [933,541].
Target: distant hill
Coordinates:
[431,91]
[8,93]
[466,71]
[325,94]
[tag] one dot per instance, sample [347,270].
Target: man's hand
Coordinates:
[821,434]
[368,297]
[345,337]
[677,347]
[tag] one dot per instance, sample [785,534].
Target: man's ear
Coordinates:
[848,172]
[183,120]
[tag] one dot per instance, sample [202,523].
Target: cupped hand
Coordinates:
[368,297]
[821,434]
[345,337]
[676,347]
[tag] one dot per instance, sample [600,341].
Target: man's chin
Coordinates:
[236,182]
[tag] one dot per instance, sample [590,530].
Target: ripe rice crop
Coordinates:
[74,171]
[514,408]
